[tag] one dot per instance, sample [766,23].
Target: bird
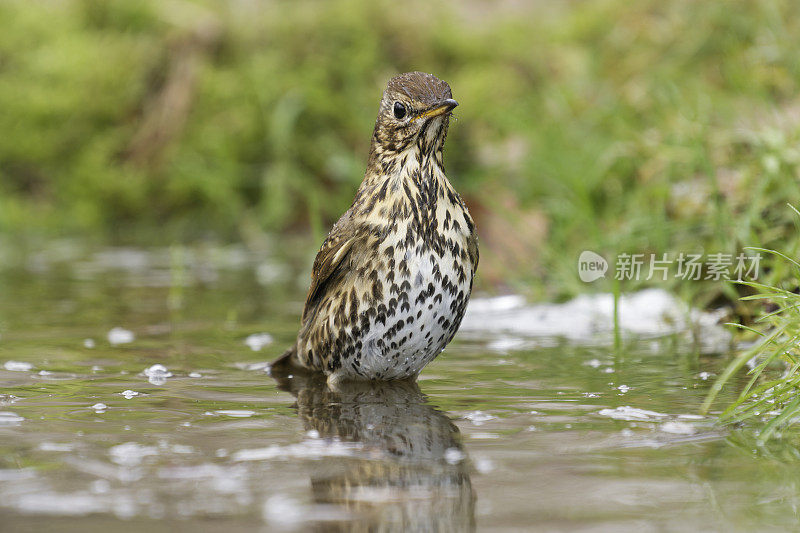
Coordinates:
[391,281]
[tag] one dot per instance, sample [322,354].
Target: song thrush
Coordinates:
[391,282]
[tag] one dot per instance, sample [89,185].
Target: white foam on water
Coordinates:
[484,436]
[626,412]
[256,341]
[17,366]
[682,426]
[58,503]
[100,486]
[308,449]
[691,417]
[508,343]
[281,509]
[589,318]
[7,418]
[261,365]
[235,413]
[201,471]
[496,304]
[119,335]
[478,417]
[677,428]
[55,446]
[131,453]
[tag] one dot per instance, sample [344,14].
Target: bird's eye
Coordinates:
[399,110]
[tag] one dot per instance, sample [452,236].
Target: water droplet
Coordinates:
[157,374]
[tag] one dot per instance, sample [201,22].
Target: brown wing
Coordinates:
[332,260]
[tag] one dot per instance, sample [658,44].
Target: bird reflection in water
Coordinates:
[410,473]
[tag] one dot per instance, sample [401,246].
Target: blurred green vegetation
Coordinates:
[608,125]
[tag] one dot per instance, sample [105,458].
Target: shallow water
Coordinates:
[503,432]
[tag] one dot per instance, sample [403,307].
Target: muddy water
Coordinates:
[133,396]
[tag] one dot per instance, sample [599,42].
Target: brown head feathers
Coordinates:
[420,87]
[414,113]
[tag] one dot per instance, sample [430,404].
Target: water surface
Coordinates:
[501,433]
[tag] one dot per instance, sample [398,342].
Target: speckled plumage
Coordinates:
[391,282]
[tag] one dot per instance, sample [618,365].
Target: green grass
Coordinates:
[613,126]
[770,400]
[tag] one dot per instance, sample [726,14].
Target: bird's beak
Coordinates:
[445,106]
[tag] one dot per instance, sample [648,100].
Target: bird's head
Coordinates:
[414,113]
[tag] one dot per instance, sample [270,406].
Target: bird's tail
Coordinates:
[286,364]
